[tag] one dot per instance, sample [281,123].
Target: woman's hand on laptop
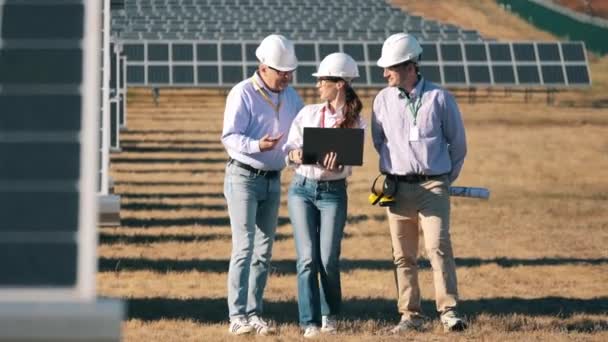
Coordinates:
[330,162]
[295,156]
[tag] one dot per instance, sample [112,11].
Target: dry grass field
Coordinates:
[532,261]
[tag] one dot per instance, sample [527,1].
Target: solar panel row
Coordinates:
[46,139]
[303,19]
[449,63]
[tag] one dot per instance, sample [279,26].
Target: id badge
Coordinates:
[414,133]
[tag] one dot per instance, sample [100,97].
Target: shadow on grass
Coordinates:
[175,131]
[288,266]
[164,183]
[110,239]
[172,195]
[169,207]
[210,221]
[193,170]
[214,310]
[173,148]
[129,142]
[194,221]
[154,160]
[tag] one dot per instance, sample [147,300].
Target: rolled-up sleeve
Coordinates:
[378,137]
[454,132]
[237,117]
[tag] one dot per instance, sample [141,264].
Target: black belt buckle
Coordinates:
[257,172]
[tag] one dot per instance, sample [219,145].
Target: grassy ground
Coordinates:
[532,261]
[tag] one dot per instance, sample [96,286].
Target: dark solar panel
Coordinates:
[134,52]
[182,52]
[454,74]
[40,112]
[577,74]
[39,264]
[47,217]
[41,66]
[183,74]
[114,113]
[250,52]
[208,74]
[355,51]
[14,166]
[451,52]
[158,52]
[206,52]
[553,74]
[42,21]
[374,51]
[304,74]
[362,79]
[429,52]
[377,75]
[136,74]
[158,74]
[476,52]
[232,74]
[500,52]
[431,73]
[231,52]
[305,52]
[326,49]
[524,52]
[503,74]
[479,74]
[251,69]
[528,74]
[573,52]
[548,52]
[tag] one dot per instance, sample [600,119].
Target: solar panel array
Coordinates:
[112,114]
[454,64]
[47,150]
[370,20]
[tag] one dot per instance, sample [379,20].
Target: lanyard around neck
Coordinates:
[264,94]
[322,123]
[415,107]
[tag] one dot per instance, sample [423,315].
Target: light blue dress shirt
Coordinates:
[248,117]
[441,146]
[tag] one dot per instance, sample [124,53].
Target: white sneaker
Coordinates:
[408,324]
[261,326]
[240,326]
[452,322]
[329,324]
[311,331]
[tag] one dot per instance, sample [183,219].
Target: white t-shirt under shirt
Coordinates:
[310,116]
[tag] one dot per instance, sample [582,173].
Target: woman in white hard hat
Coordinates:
[317,197]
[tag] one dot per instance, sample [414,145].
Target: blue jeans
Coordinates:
[253,205]
[317,210]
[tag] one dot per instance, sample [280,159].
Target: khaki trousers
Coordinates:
[426,204]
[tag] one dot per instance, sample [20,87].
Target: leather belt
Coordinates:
[414,178]
[257,172]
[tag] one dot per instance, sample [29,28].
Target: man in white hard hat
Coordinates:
[259,111]
[418,132]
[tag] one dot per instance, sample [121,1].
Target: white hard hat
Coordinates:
[399,48]
[277,52]
[338,65]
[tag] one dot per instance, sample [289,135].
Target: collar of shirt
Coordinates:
[259,84]
[417,91]
[330,117]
